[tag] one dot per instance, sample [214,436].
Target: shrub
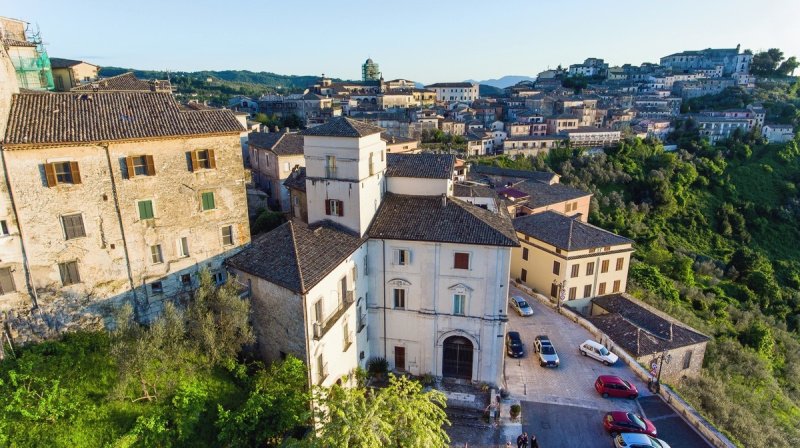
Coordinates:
[515,411]
[377,367]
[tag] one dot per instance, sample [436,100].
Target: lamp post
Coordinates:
[664,357]
[561,293]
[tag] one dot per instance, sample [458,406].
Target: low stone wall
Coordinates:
[703,426]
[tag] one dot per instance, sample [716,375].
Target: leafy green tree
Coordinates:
[400,415]
[218,319]
[765,63]
[266,221]
[278,402]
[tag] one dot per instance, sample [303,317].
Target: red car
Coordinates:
[621,421]
[614,386]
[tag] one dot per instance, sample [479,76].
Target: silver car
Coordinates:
[635,440]
[548,357]
[521,305]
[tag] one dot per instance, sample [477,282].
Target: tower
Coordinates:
[345,164]
[370,71]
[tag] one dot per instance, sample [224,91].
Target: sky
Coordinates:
[426,41]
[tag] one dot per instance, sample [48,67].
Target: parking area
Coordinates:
[560,405]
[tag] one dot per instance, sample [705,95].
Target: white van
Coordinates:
[597,351]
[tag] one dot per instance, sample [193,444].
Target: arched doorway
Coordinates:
[457,358]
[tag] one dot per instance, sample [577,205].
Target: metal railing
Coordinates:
[322,327]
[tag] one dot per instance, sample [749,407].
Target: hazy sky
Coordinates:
[427,41]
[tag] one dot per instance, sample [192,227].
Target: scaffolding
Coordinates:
[34,72]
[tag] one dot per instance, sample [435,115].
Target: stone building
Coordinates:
[273,157]
[69,73]
[648,335]
[120,195]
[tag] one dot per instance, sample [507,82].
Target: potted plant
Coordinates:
[515,411]
[377,367]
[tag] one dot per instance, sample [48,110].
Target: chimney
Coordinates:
[444,200]
[276,128]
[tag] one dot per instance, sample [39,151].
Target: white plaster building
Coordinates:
[778,133]
[455,91]
[390,265]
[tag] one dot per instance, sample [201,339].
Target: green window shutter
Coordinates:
[146,209]
[208,201]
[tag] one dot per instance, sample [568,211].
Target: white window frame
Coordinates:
[181,248]
[155,249]
[460,298]
[404,294]
[401,257]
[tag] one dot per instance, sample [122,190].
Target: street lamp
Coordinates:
[561,293]
[665,357]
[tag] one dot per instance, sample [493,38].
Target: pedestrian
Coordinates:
[534,443]
[524,440]
[508,444]
[520,440]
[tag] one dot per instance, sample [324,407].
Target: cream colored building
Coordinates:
[455,91]
[68,73]
[559,252]
[124,197]
[273,157]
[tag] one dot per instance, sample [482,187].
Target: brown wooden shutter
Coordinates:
[327,206]
[151,166]
[341,208]
[50,175]
[195,163]
[75,171]
[129,167]
[212,162]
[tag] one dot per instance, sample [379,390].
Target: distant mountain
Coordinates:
[265,79]
[487,90]
[505,81]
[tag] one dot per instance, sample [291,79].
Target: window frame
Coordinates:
[157,290]
[205,205]
[399,298]
[229,237]
[590,268]
[575,271]
[457,264]
[525,253]
[601,289]
[620,263]
[68,235]
[556,267]
[459,310]
[66,275]
[152,209]
[402,257]
[9,280]
[182,246]
[604,266]
[156,254]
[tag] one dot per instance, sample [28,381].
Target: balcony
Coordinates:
[322,373]
[321,328]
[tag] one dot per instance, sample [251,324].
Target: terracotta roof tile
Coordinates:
[566,232]
[428,166]
[125,82]
[343,127]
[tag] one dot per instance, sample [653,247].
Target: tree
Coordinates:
[218,319]
[765,63]
[788,66]
[400,415]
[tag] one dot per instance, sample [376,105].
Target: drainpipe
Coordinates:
[121,228]
[25,264]
[385,354]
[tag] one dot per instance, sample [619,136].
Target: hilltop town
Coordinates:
[385,226]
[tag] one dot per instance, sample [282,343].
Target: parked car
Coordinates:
[597,351]
[547,353]
[614,386]
[514,346]
[521,305]
[617,422]
[635,440]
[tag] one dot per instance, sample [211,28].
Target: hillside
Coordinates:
[503,82]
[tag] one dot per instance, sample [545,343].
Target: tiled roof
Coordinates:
[542,195]
[391,139]
[125,82]
[343,127]
[486,170]
[65,63]
[512,193]
[639,329]
[428,166]
[566,232]
[426,218]
[528,138]
[450,85]
[296,180]
[281,143]
[295,255]
[17,43]
[54,118]
[462,190]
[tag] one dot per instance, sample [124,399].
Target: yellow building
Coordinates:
[559,251]
[69,73]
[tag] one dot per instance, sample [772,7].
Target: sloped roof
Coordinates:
[126,82]
[296,179]
[343,127]
[428,166]
[486,170]
[542,195]
[463,190]
[66,63]
[281,143]
[566,232]
[296,256]
[55,118]
[426,218]
[640,329]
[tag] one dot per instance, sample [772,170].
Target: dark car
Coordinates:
[621,421]
[614,386]
[514,346]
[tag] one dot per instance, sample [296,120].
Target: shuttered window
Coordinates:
[146,209]
[69,273]
[62,173]
[73,226]
[227,236]
[203,159]
[461,260]
[6,281]
[208,200]
[140,166]
[334,207]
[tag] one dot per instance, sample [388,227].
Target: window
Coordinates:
[3,228]
[73,226]
[461,260]
[330,166]
[69,273]
[203,159]
[587,290]
[208,200]
[155,254]
[402,257]
[687,359]
[371,164]
[590,268]
[156,288]
[601,288]
[347,339]
[182,244]
[400,358]
[219,277]
[575,270]
[286,167]
[523,276]
[62,173]
[6,281]
[616,286]
[459,304]
[146,209]
[318,311]
[366,270]
[556,267]
[227,236]
[334,207]
[554,290]
[620,263]
[400,298]
[140,166]
[186,280]
[604,266]
[573,293]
